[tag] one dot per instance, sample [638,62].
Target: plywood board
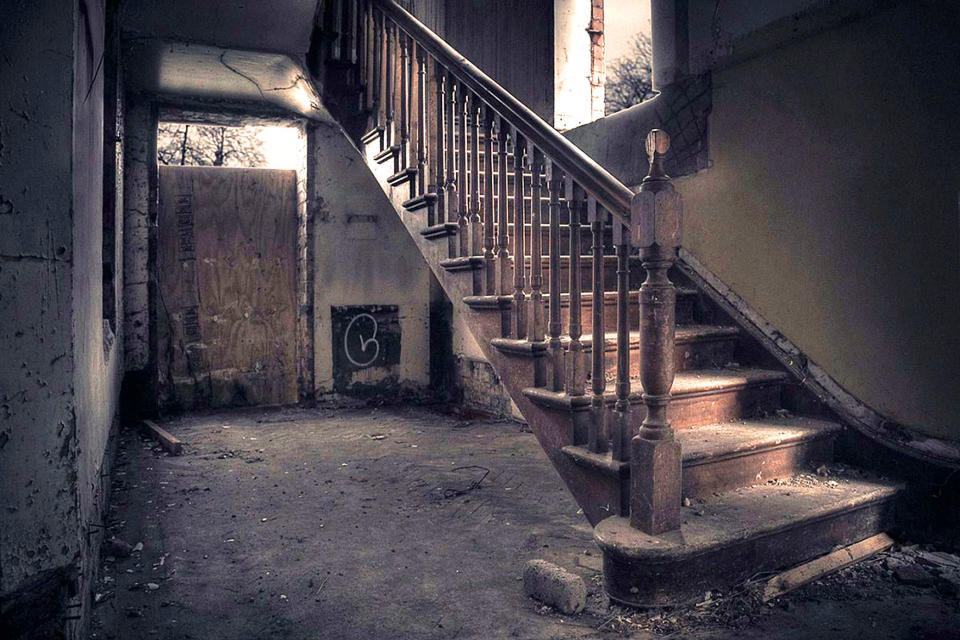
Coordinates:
[227,243]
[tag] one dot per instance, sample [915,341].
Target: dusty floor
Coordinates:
[404,523]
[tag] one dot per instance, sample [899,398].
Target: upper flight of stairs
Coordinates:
[750,444]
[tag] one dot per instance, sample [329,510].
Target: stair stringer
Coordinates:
[553,428]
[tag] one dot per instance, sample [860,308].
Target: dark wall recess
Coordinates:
[364,337]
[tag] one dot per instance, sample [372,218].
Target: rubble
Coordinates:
[554,586]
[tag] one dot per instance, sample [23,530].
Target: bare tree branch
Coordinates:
[629,77]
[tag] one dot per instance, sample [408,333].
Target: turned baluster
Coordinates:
[453,210]
[535,159]
[519,251]
[620,427]
[421,112]
[378,74]
[595,432]
[655,465]
[503,216]
[439,177]
[554,185]
[490,267]
[476,221]
[346,32]
[463,184]
[388,97]
[575,371]
[402,158]
[363,44]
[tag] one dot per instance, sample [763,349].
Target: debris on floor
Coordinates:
[310,522]
[554,586]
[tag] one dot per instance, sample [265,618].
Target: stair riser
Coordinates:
[671,581]
[700,354]
[748,402]
[715,476]
[702,479]
[684,313]
[586,275]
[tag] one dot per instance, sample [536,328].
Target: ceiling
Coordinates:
[222,51]
[282,26]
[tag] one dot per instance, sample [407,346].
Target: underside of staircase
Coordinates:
[761,488]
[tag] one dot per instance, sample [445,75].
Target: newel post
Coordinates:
[655,466]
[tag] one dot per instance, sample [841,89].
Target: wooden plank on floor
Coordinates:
[166,439]
[816,569]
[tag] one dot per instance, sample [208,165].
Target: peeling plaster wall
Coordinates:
[835,166]
[364,256]
[60,379]
[830,204]
[38,439]
[97,352]
[138,192]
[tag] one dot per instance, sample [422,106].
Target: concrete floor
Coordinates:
[397,523]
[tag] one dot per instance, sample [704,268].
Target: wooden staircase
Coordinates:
[691,452]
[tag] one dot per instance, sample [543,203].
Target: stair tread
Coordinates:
[705,443]
[683,334]
[748,512]
[690,382]
[702,443]
[706,380]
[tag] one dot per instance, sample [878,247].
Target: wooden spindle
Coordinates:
[490,267]
[596,440]
[655,452]
[554,186]
[421,111]
[519,250]
[453,202]
[476,220]
[503,215]
[575,372]
[378,74]
[620,427]
[363,53]
[440,179]
[404,100]
[388,94]
[463,185]
[535,158]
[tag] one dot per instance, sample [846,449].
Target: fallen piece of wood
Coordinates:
[166,439]
[815,569]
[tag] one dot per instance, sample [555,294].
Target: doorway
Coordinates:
[226,271]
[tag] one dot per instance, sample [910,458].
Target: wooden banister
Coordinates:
[578,166]
[488,156]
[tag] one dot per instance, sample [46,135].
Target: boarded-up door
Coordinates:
[227,247]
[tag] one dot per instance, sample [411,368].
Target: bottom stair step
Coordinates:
[726,539]
[721,457]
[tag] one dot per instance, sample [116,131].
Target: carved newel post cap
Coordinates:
[657,209]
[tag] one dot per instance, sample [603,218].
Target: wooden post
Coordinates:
[596,440]
[554,185]
[439,177]
[503,216]
[620,427]
[388,96]
[490,266]
[575,373]
[519,251]
[535,157]
[453,211]
[463,184]
[655,465]
[378,75]
[404,100]
[422,126]
[476,221]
